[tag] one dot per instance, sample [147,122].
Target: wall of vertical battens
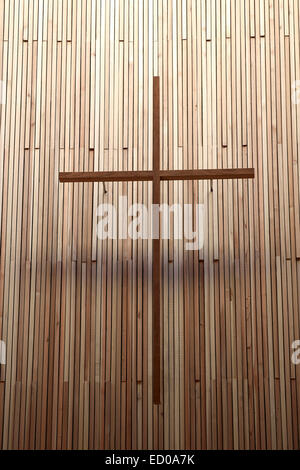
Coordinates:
[75,313]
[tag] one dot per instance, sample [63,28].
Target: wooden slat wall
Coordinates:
[75,313]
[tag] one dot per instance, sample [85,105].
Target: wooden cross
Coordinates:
[156,176]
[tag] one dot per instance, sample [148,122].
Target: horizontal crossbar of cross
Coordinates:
[163,175]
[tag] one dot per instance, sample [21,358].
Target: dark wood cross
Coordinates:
[156,176]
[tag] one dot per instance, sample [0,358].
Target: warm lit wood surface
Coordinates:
[74,312]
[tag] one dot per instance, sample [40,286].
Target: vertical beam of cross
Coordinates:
[156,268]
